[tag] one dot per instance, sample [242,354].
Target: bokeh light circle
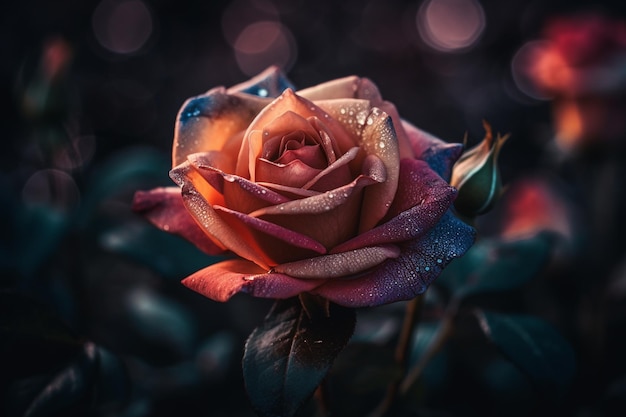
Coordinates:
[262,44]
[522,67]
[450,25]
[122,26]
[53,188]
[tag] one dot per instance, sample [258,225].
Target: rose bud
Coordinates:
[477,176]
[323,191]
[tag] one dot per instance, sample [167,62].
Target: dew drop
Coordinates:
[342,111]
[263,92]
[360,117]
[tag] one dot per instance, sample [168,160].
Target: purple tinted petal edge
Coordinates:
[409,275]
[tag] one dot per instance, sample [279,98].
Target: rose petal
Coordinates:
[320,203]
[290,193]
[347,87]
[422,198]
[270,83]
[287,102]
[440,155]
[279,244]
[238,193]
[335,174]
[222,280]
[285,124]
[339,264]
[194,188]
[379,139]
[408,275]
[206,122]
[330,217]
[311,155]
[294,174]
[360,88]
[164,208]
[377,136]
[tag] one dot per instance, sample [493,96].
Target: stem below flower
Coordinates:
[411,319]
[321,397]
[444,332]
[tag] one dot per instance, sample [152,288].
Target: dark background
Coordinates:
[88,262]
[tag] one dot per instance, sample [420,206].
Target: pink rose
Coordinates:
[324,190]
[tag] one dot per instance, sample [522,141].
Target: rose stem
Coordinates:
[321,396]
[411,320]
[444,332]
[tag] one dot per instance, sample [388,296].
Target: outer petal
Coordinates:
[222,280]
[164,208]
[377,136]
[440,155]
[347,87]
[410,274]
[364,89]
[206,122]
[270,83]
[194,188]
[422,199]
[339,264]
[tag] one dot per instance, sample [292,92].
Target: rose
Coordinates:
[325,191]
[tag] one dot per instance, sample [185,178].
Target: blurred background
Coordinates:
[89,94]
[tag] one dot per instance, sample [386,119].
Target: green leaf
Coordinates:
[435,371]
[534,346]
[124,173]
[40,230]
[168,254]
[161,322]
[496,265]
[288,355]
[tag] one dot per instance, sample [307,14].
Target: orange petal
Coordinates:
[237,193]
[222,280]
[194,189]
[277,243]
[206,122]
